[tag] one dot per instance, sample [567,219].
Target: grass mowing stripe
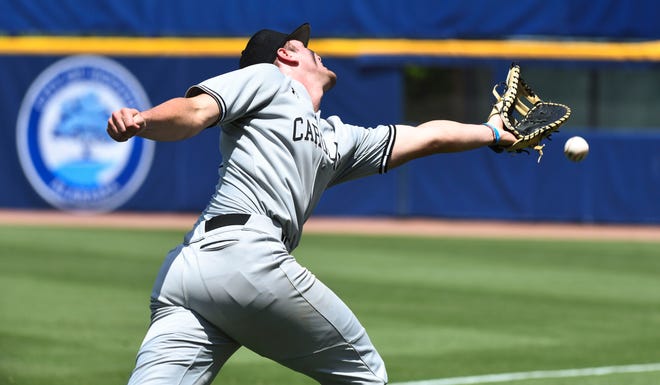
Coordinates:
[506,377]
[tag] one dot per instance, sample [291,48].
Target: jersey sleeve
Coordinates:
[239,93]
[363,151]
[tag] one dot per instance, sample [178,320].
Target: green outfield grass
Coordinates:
[74,305]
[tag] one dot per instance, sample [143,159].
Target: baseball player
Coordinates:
[233,282]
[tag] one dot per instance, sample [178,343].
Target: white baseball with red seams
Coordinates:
[576,149]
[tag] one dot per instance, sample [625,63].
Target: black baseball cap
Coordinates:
[263,45]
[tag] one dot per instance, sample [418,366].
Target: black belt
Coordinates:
[226,220]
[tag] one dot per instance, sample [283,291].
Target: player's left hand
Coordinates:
[125,124]
[506,137]
[528,117]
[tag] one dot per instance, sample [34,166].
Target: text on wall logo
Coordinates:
[62,142]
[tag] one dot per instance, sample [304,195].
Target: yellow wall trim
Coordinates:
[346,48]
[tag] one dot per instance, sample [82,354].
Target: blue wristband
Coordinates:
[496,132]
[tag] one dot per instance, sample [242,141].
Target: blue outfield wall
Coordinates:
[183,174]
[619,182]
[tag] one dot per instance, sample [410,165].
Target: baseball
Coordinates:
[576,149]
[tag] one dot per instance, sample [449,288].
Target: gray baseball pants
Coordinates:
[239,286]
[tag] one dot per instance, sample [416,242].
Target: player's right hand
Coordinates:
[125,124]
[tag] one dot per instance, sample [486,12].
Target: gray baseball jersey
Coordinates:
[279,154]
[238,285]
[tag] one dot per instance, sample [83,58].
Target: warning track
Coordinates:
[353,225]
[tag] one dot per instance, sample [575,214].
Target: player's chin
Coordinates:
[332,80]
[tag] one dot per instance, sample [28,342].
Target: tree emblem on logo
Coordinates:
[81,120]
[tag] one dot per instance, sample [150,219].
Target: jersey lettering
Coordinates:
[307,131]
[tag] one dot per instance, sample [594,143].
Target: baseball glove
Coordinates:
[525,114]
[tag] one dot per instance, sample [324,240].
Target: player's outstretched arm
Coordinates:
[438,136]
[174,119]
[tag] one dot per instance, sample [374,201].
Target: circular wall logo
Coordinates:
[61,136]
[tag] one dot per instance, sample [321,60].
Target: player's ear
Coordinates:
[286,56]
